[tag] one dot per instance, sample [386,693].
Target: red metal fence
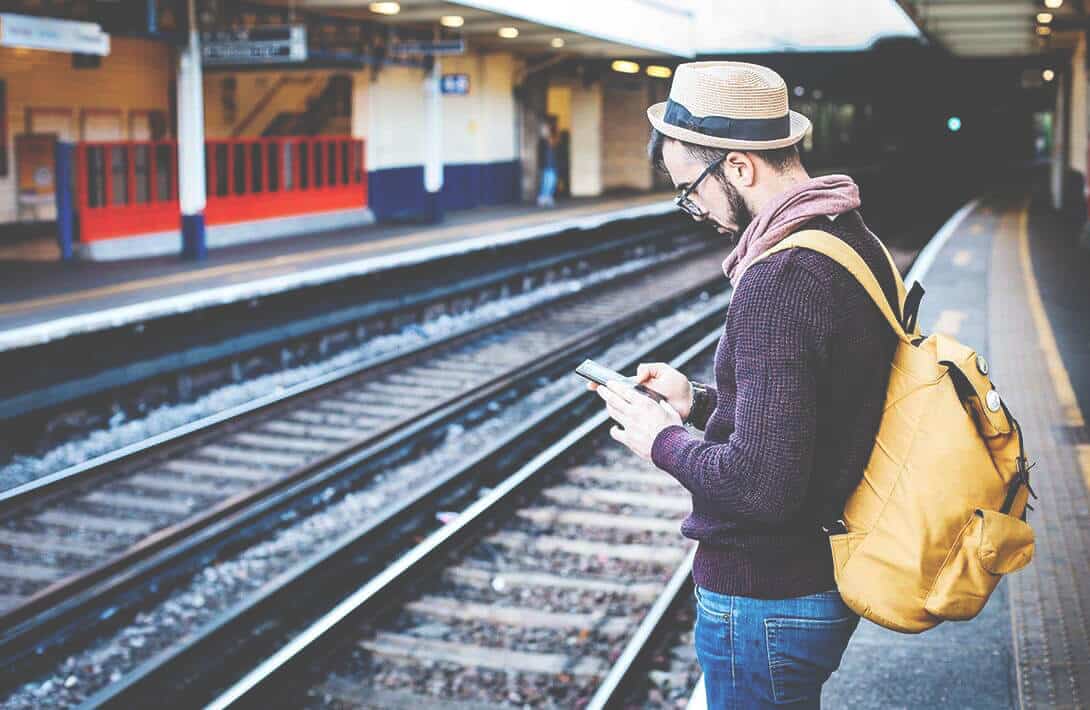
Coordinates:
[128,188]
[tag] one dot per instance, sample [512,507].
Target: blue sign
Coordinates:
[454,84]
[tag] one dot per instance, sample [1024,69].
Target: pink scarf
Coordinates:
[826,195]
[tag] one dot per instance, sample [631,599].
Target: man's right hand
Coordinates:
[668,382]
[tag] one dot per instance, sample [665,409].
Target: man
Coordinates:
[800,380]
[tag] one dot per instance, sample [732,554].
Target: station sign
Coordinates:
[429,46]
[280,44]
[53,35]
[457,84]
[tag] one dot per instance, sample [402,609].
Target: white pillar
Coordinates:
[1076,149]
[586,140]
[1059,138]
[433,153]
[191,184]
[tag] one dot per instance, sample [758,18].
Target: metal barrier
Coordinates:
[129,188]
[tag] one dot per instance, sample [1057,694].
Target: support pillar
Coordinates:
[1059,138]
[192,195]
[433,156]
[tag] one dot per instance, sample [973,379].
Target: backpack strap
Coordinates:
[841,253]
[910,302]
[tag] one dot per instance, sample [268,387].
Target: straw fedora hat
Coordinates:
[729,105]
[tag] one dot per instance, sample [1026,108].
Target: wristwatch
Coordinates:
[701,405]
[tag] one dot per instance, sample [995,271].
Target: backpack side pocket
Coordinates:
[990,545]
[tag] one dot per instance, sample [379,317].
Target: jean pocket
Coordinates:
[803,653]
[706,604]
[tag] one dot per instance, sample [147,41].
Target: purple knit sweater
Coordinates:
[800,379]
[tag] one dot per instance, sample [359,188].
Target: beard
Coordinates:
[738,207]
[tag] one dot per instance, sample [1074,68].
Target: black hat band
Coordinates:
[744,129]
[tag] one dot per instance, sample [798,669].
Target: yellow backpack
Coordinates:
[939,516]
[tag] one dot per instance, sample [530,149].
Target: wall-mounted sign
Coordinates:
[457,84]
[429,46]
[282,44]
[53,35]
[34,163]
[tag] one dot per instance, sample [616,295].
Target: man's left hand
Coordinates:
[641,417]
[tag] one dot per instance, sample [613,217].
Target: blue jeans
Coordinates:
[548,185]
[759,653]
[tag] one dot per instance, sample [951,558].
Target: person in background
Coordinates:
[546,162]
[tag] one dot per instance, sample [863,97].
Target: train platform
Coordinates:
[41,301]
[1010,279]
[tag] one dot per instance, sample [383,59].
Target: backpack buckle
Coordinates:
[836,528]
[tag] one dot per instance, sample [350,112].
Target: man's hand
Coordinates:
[642,417]
[668,382]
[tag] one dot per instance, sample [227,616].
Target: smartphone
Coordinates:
[600,374]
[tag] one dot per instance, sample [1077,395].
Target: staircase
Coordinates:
[328,113]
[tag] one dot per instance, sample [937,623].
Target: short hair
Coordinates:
[779,159]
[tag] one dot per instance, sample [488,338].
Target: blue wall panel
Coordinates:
[399,192]
[395,192]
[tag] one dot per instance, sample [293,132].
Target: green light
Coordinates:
[953,124]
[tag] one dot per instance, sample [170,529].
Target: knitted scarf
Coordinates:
[826,195]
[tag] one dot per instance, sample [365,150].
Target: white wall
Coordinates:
[624,134]
[477,128]
[586,140]
[396,107]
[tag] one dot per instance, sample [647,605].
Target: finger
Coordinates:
[621,389]
[617,416]
[612,399]
[670,409]
[644,372]
[592,386]
[618,434]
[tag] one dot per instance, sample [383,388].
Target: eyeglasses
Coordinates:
[682,200]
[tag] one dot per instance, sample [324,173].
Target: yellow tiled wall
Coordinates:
[135,77]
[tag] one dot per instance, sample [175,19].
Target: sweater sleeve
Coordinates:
[761,473]
[703,406]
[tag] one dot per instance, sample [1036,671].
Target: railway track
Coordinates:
[547,592]
[91,542]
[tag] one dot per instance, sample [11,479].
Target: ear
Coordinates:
[740,168]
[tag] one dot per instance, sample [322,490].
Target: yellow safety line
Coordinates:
[291,259]
[1046,339]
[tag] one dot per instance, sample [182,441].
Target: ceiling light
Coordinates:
[659,72]
[1044,17]
[557,42]
[1053,4]
[452,20]
[799,91]
[385,8]
[1044,31]
[625,67]
[508,32]
[1048,75]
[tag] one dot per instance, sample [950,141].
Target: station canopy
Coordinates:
[641,28]
[999,28]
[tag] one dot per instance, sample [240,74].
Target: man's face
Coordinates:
[722,204]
